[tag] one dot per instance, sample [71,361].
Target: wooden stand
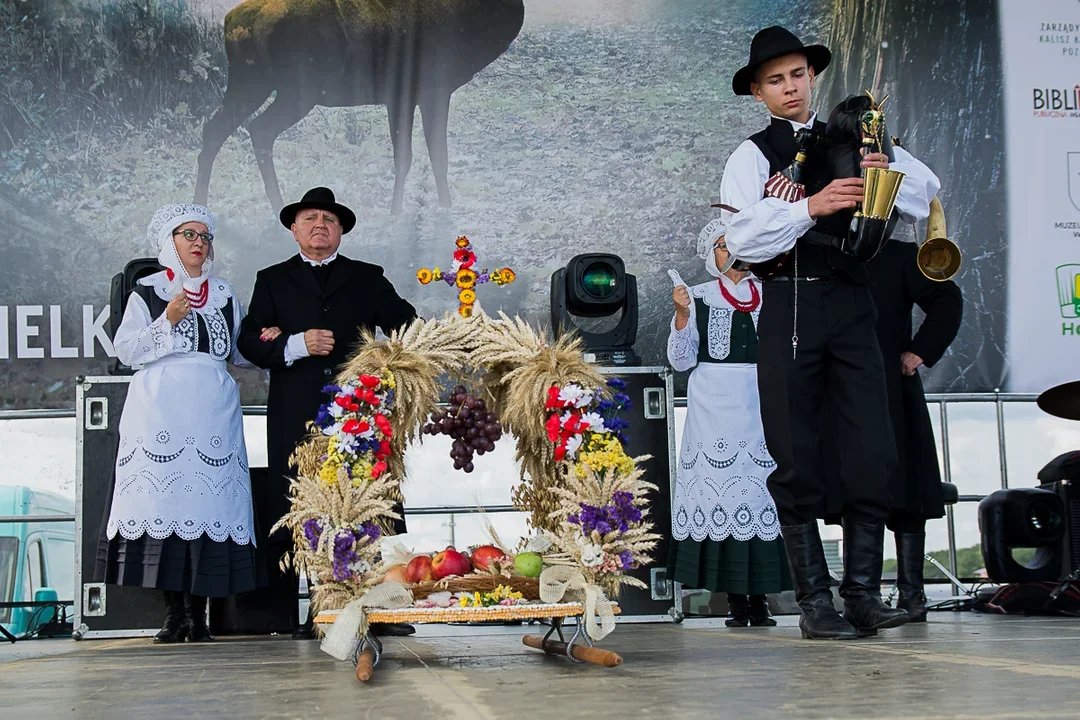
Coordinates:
[368,651]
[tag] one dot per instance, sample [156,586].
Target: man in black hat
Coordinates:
[816,333]
[320,301]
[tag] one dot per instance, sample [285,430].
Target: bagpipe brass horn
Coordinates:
[939,258]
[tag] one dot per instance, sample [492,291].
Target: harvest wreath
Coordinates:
[585,496]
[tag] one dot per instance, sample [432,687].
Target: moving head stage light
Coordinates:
[1022,518]
[596,285]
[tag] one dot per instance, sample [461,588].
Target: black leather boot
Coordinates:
[861,587]
[175,629]
[910,550]
[738,613]
[305,631]
[196,617]
[810,573]
[759,612]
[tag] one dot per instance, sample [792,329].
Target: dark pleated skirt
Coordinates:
[753,567]
[200,567]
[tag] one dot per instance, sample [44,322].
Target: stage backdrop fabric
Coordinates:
[539,128]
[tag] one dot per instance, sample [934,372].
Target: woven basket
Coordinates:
[528,587]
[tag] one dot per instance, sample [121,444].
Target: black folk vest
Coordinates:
[743,345]
[815,259]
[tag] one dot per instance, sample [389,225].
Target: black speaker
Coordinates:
[122,285]
[1022,518]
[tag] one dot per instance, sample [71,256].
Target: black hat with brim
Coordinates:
[319,198]
[775,42]
[1062,401]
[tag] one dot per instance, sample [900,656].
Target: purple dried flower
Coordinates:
[626,558]
[312,531]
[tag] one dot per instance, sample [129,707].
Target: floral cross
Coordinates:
[465,277]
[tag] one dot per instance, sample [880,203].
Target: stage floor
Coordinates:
[959,665]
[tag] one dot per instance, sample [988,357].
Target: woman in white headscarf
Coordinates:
[181,517]
[724,523]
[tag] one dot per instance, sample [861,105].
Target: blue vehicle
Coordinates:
[34,555]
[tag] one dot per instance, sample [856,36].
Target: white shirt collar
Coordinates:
[796,126]
[316,263]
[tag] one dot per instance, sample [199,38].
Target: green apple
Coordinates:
[529,564]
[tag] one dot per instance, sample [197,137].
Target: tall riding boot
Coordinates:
[196,616]
[738,613]
[861,587]
[810,573]
[910,550]
[175,629]
[759,612]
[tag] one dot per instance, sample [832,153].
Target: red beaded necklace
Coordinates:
[749,306]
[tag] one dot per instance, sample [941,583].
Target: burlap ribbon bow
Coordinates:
[351,623]
[562,583]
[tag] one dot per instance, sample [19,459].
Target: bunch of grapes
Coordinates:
[470,423]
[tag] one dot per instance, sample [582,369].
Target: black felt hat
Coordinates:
[319,198]
[771,43]
[1062,401]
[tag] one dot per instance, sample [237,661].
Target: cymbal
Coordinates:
[1062,401]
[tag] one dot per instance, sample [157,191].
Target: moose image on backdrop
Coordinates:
[547,127]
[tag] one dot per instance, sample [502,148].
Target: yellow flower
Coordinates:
[462,242]
[423,275]
[465,310]
[388,378]
[436,274]
[504,276]
[466,278]
[467,297]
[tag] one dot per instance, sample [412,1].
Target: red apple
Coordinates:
[420,569]
[450,562]
[482,556]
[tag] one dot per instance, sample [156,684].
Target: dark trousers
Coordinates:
[838,354]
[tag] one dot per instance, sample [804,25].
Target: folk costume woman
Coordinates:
[724,522]
[181,514]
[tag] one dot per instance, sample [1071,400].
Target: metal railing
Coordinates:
[942,400]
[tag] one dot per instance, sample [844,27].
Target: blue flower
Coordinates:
[617,383]
[332,389]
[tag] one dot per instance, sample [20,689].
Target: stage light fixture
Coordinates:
[596,285]
[123,283]
[1022,518]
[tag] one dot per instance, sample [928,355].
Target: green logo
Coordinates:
[1068,286]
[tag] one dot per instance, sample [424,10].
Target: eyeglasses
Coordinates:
[190,236]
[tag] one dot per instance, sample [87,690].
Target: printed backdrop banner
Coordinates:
[1041,40]
[539,128]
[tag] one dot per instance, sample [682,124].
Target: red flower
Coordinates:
[367,395]
[553,398]
[465,256]
[573,423]
[384,450]
[552,427]
[369,381]
[378,469]
[355,427]
[560,453]
[384,425]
